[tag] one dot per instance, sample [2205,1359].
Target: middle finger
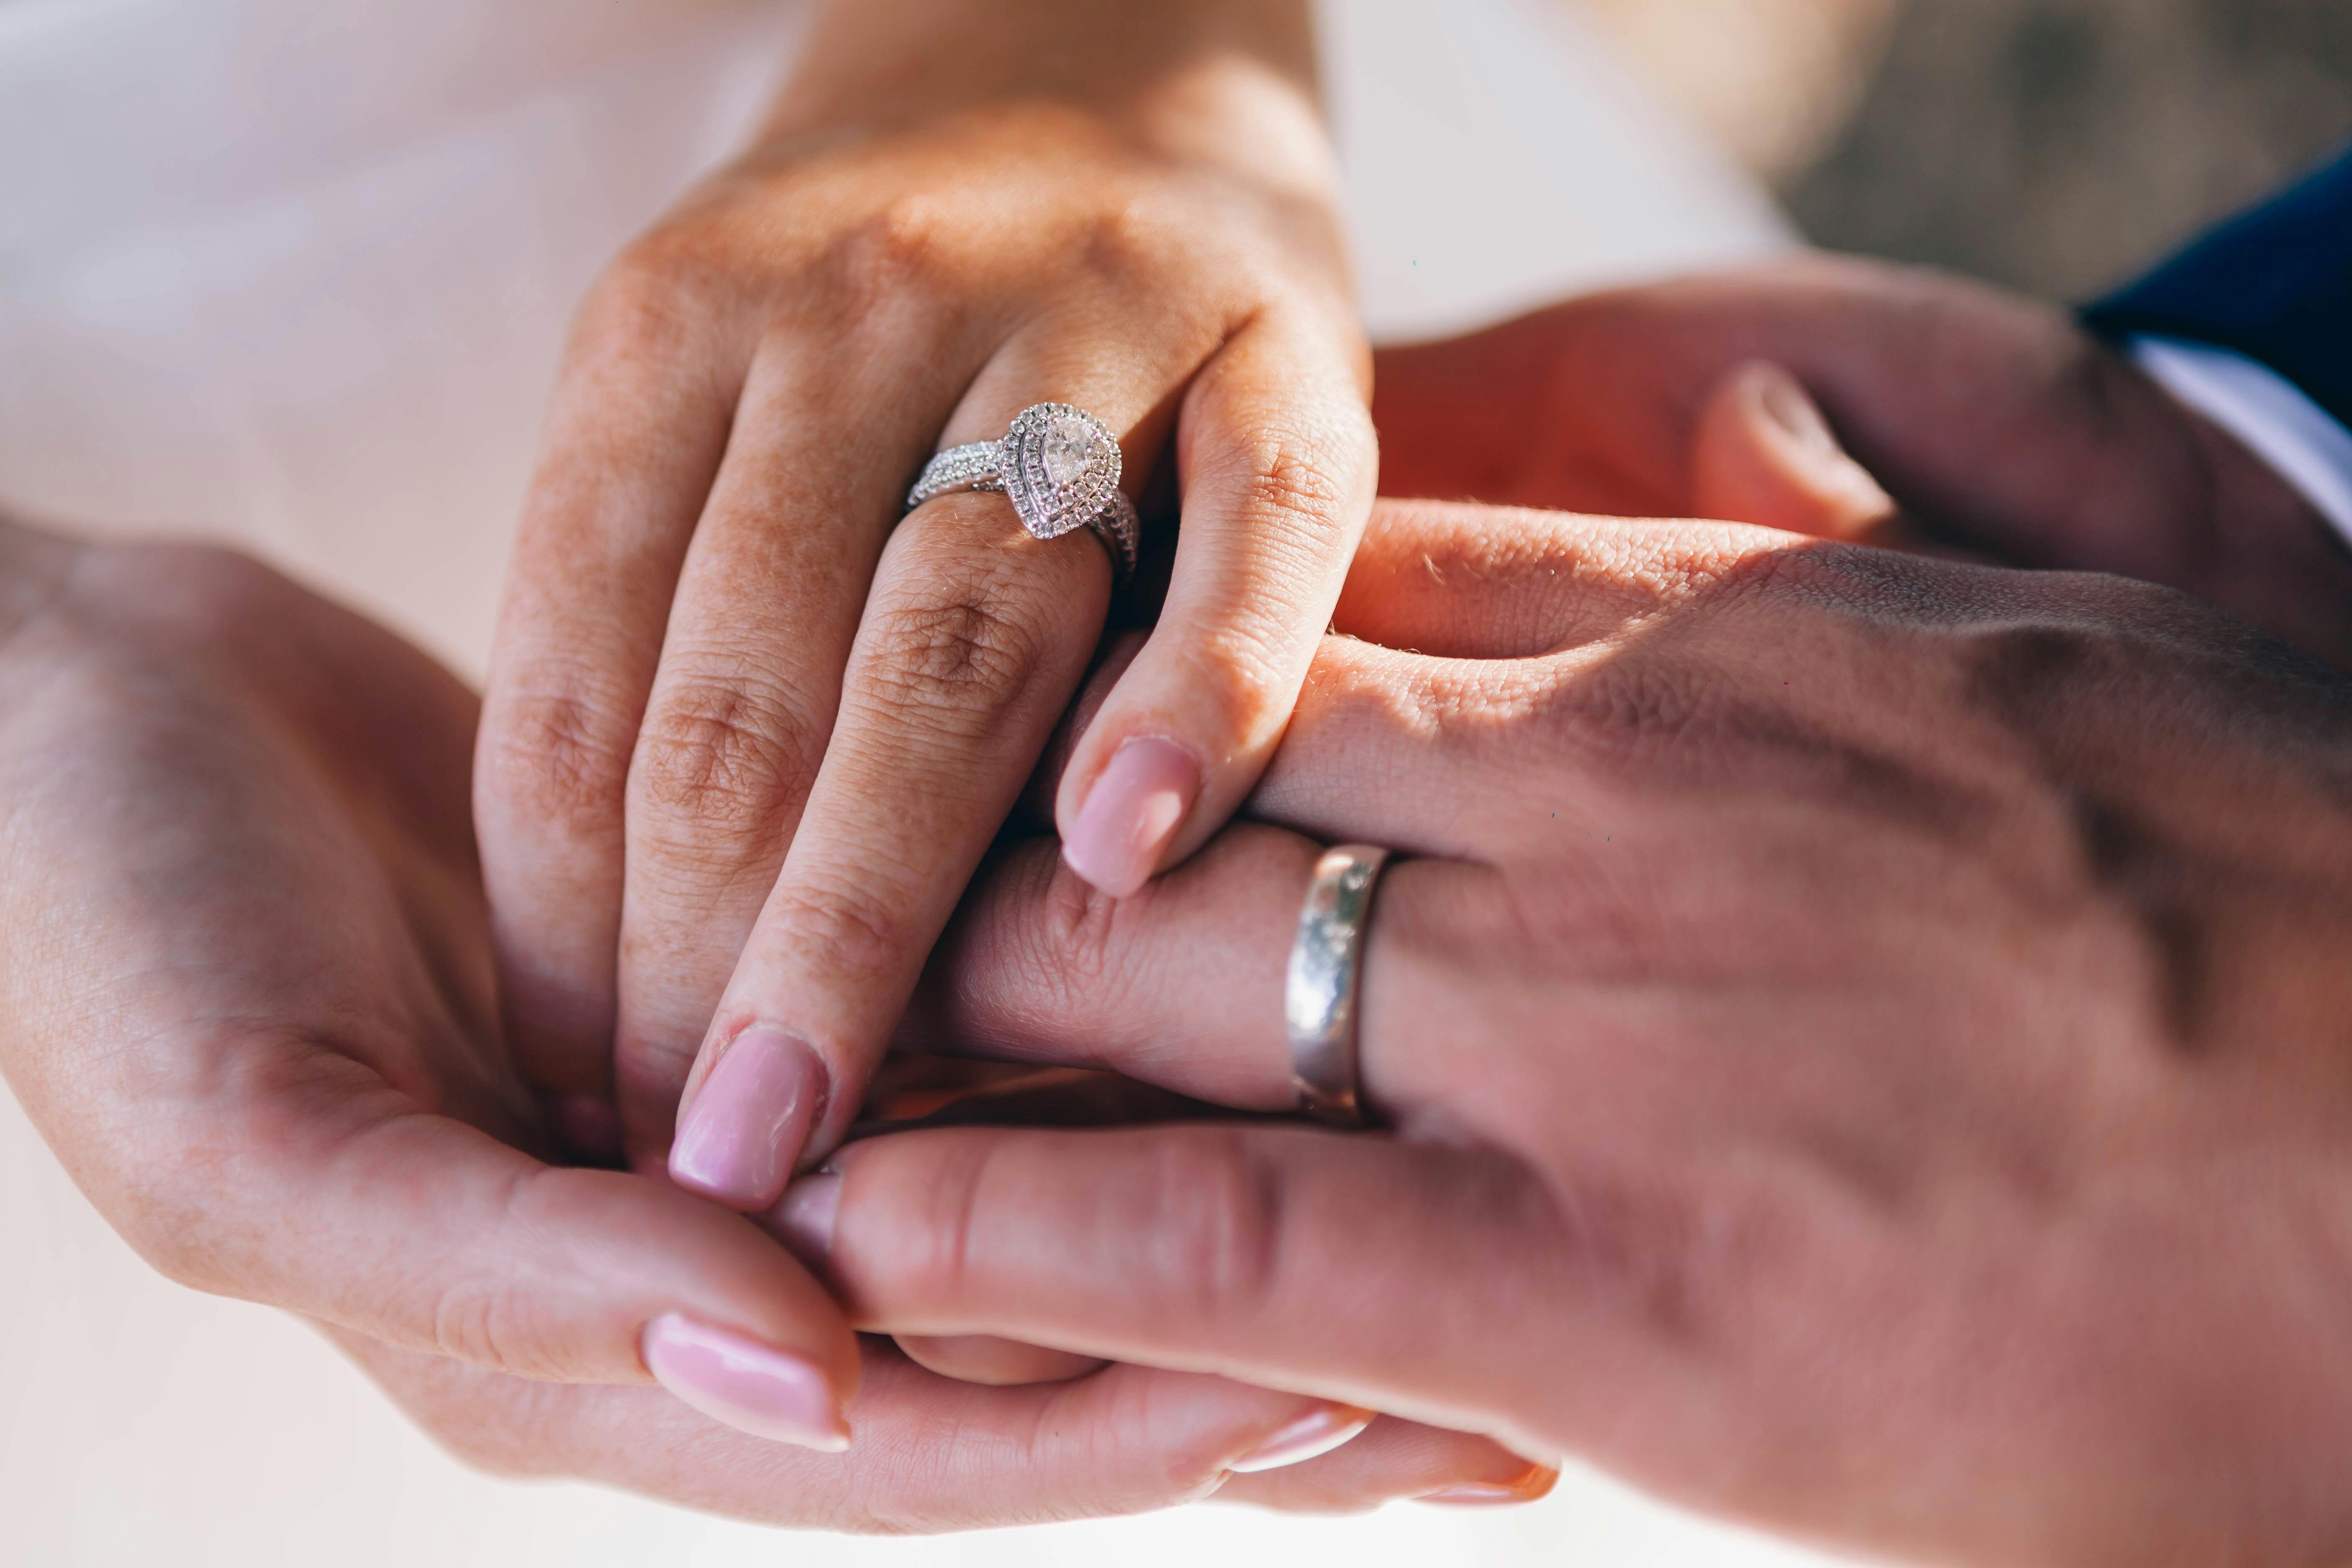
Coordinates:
[750,676]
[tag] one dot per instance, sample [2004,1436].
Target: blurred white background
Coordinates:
[297,275]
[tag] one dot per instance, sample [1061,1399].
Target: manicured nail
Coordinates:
[750,1386]
[1133,810]
[1318,1432]
[744,1131]
[1536,1481]
[804,1221]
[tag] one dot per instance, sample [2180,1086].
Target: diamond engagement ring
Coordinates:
[1059,465]
[1318,994]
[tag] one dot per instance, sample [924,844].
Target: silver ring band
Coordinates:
[1318,997]
[1059,465]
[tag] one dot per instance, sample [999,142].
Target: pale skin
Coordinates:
[204,759]
[747,733]
[251,1006]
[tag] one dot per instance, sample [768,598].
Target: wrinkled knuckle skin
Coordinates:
[971,652]
[555,762]
[842,930]
[480,1327]
[1075,947]
[717,757]
[1293,484]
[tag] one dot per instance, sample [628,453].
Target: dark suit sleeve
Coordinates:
[2273,284]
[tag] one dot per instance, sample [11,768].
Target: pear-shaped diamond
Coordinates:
[1070,449]
[1061,468]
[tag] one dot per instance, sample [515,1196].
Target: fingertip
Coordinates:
[1763,452]
[1130,815]
[1531,1484]
[1314,1434]
[745,1130]
[750,1386]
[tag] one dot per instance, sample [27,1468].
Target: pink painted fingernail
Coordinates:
[743,1134]
[1133,810]
[804,1221]
[1316,1432]
[750,1386]
[1536,1481]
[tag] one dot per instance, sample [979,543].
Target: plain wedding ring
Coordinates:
[1059,466]
[1319,995]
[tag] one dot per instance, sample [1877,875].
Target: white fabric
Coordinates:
[296,273]
[2276,420]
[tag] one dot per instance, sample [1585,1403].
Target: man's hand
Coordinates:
[1866,1039]
[1997,424]
[249,1003]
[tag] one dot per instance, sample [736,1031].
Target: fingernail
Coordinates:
[1813,444]
[804,1221]
[1788,404]
[1130,815]
[745,1130]
[750,1386]
[1536,1481]
[1318,1432]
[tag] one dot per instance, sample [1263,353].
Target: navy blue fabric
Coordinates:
[2274,284]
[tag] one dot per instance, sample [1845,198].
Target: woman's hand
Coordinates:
[1998,423]
[747,733]
[249,1003]
[1866,1038]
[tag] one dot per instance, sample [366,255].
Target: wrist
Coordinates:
[1229,83]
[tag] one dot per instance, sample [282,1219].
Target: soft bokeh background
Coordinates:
[296,274]
[2052,145]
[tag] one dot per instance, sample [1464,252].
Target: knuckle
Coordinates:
[902,250]
[1073,949]
[716,754]
[969,649]
[1210,1222]
[555,756]
[646,302]
[851,928]
[1294,477]
[488,1320]
[1131,240]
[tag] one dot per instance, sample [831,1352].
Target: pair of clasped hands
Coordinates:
[1826,993]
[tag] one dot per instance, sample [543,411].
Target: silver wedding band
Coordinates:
[1059,465]
[1318,997]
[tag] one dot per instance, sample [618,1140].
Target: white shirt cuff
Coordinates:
[2276,420]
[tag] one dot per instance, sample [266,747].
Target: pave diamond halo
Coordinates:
[1060,465]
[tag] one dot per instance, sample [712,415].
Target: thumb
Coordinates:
[1763,452]
[424,1233]
[1270,1255]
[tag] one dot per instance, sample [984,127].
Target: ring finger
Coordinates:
[972,640]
